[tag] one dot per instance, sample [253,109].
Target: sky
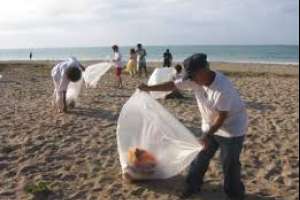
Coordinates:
[83,23]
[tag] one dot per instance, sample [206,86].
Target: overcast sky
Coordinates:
[73,23]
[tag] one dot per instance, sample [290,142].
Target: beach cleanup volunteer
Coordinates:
[63,73]
[224,124]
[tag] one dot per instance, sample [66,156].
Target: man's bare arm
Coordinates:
[169,86]
[82,67]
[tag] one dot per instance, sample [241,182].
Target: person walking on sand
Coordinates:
[141,60]
[168,57]
[132,62]
[117,61]
[63,73]
[30,55]
[224,124]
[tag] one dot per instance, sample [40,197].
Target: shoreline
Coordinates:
[295,64]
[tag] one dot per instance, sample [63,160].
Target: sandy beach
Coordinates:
[75,154]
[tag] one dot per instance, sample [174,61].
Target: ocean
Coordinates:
[273,54]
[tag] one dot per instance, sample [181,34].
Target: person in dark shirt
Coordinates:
[167,58]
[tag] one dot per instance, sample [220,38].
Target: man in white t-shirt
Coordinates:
[63,73]
[224,124]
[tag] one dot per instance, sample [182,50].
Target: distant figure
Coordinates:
[141,60]
[30,55]
[117,60]
[132,62]
[167,58]
[63,73]
[179,73]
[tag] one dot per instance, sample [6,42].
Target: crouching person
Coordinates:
[63,73]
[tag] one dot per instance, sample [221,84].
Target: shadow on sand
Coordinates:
[94,113]
[210,191]
[259,106]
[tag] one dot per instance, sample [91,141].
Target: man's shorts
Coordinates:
[142,65]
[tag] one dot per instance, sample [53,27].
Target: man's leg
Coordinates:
[199,167]
[230,156]
[145,70]
[55,93]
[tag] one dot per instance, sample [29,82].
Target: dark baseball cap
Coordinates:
[193,63]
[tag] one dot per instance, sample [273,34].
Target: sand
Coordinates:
[76,156]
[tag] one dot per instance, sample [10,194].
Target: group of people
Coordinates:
[224,118]
[136,63]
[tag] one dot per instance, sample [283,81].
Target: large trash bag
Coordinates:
[159,76]
[146,125]
[93,73]
[73,92]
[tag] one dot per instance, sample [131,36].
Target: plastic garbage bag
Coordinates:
[159,76]
[0,76]
[93,73]
[73,92]
[147,125]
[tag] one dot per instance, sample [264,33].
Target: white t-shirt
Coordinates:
[219,96]
[117,59]
[59,73]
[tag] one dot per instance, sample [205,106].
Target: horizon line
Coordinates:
[153,45]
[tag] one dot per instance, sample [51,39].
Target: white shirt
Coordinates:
[59,73]
[117,59]
[219,96]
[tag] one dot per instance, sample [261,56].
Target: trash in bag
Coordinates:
[141,163]
[159,76]
[152,144]
[73,92]
[0,76]
[93,73]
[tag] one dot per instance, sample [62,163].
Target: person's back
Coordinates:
[132,62]
[63,73]
[141,59]
[167,58]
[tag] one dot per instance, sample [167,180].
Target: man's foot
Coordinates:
[236,198]
[188,192]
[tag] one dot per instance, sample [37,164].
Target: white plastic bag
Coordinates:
[73,91]
[93,73]
[145,124]
[159,76]
[0,76]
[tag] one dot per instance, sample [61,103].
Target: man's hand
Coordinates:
[204,142]
[82,67]
[144,87]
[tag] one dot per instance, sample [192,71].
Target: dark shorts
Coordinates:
[142,65]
